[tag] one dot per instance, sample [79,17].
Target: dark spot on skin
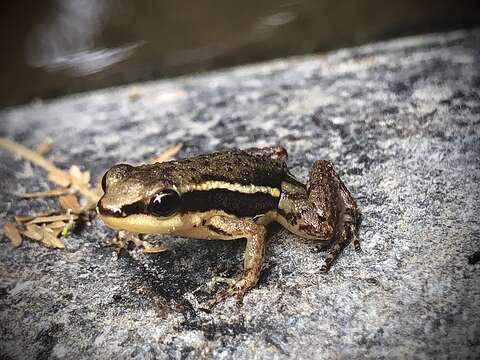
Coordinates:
[217,230]
[307,229]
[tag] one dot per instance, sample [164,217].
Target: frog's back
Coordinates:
[236,167]
[235,182]
[231,167]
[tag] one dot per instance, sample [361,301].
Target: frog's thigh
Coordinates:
[324,182]
[314,214]
[255,249]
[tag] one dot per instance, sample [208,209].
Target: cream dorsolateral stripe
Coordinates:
[246,189]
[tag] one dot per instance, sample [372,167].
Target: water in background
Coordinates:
[54,47]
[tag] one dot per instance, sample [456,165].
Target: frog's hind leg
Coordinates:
[331,197]
[325,211]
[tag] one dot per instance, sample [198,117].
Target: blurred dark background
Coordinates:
[55,47]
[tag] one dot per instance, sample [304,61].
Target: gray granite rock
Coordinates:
[401,122]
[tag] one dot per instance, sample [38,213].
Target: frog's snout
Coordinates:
[108,211]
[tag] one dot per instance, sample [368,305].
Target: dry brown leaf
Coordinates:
[53,218]
[34,232]
[167,154]
[60,177]
[80,182]
[56,232]
[55,174]
[50,240]
[44,148]
[57,225]
[53,192]
[26,218]
[79,176]
[70,202]
[11,231]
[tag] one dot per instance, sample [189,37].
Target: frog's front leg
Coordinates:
[326,211]
[235,228]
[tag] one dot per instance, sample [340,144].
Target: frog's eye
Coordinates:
[104,182]
[164,203]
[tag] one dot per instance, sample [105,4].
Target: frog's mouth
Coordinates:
[123,211]
[143,223]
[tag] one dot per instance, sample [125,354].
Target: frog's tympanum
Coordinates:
[231,195]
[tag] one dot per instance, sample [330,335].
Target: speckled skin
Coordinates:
[229,195]
[242,167]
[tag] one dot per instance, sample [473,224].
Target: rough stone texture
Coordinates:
[401,122]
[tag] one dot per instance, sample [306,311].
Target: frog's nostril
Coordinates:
[109,211]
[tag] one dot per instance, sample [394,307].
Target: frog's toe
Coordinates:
[238,287]
[225,280]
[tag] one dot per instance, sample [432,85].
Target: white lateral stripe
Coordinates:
[246,189]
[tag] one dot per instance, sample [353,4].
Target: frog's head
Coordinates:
[139,199]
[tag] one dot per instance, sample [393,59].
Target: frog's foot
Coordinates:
[225,280]
[119,241]
[355,241]
[237,287]
[123,238]
[155,249]
[343,240]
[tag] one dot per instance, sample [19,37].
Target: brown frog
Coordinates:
[230,195]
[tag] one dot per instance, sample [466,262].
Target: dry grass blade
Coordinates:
[26,218]
[51,219]
[60,177]
[28,154]
[44,148]
[167,154]
[53,192]
[11,232]
[70,202]
[56,225]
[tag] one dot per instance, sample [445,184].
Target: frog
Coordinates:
[229,195]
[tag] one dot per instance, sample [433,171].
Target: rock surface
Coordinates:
[401,122]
